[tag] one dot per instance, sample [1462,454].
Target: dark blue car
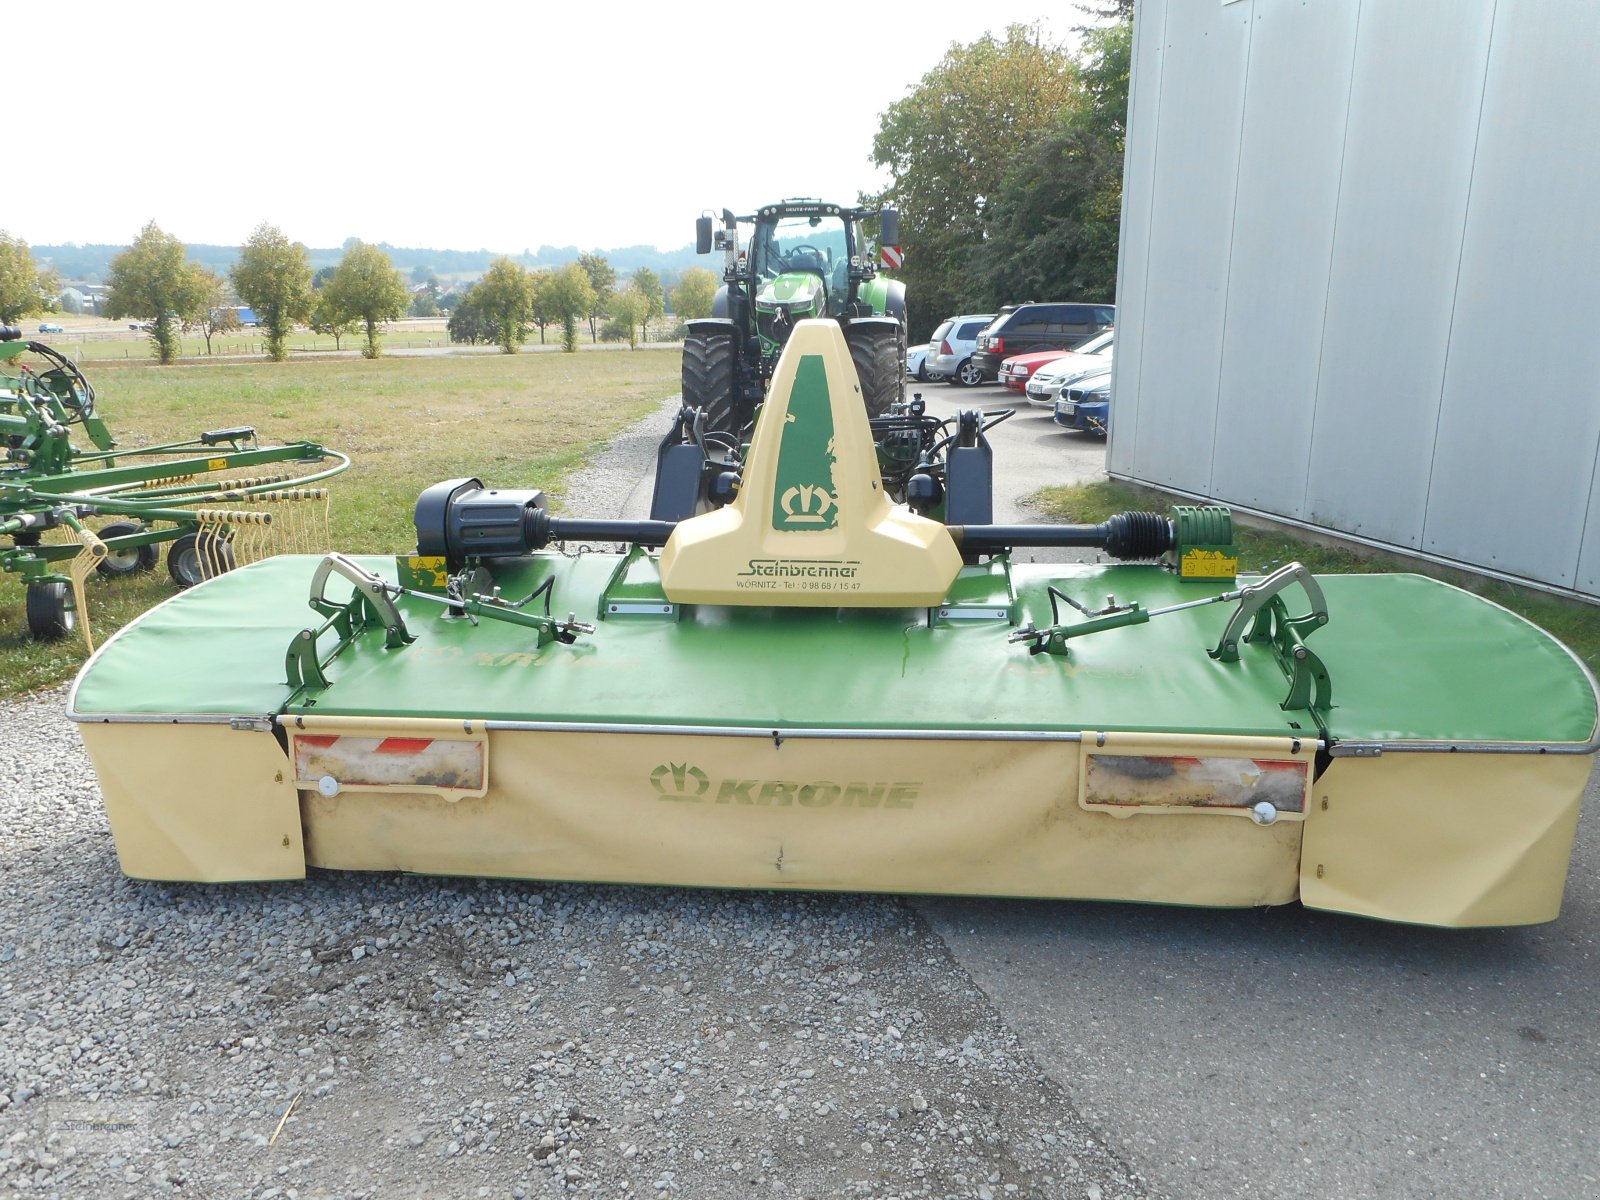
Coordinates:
[1086,405]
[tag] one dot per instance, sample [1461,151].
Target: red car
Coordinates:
[1015,372]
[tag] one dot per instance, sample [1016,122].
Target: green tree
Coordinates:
[219,316]
[326,318]
[630,308]
[603,279]
[368,289]
[468,322]
[24,288]
[506,295]
[273,276]
[948,145]
[544,311]
[154,281]
[694,295]
[649,285]
[1052,225]
[570,296]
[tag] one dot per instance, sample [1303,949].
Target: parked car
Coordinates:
[954,342]
[1034,327]
[1015,372]
[917,363]
[50,327]
[1090,358]
[1085,404]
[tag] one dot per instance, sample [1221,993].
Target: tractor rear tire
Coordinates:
[708,381]
[51,612]
[879,353]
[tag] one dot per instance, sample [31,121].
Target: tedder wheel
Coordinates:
[968,374]
[708,381]
[193,558]
[51,614]
[879,354]
[125,562]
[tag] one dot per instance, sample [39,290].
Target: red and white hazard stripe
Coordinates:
[891,256]
[333,763]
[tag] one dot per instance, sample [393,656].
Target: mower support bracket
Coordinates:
[1262,616]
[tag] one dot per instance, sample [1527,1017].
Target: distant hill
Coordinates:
[91,263]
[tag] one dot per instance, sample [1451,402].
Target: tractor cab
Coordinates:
[802,262]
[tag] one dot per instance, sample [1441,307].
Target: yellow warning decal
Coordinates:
[1208,564]
[216,464]
[427,570]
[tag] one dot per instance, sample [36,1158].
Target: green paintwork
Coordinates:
[875,292]
[800,292]
[793,287]
[1411,659]
[804,498]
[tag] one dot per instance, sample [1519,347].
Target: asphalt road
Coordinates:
[1285,1052]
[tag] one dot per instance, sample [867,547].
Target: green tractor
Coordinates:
[790,261]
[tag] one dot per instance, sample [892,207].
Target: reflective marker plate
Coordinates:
[449,767]
[1124,784]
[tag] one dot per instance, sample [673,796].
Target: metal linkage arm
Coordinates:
[372,606]
[372,590]
[369,606]
[1253,598]
[1262,616]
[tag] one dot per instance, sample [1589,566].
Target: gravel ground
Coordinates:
[382,1036]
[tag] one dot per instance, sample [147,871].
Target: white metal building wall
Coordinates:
[1360,274]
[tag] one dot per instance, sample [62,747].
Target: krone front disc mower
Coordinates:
[787,678]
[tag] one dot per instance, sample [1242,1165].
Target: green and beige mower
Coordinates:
[787,679]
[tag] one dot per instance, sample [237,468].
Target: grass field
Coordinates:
[1260,550]
[526,420]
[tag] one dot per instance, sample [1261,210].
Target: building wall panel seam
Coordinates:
[1333,247]
[1455,295]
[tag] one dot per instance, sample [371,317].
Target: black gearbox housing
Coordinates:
[460,519]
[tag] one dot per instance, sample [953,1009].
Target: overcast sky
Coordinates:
[500,126]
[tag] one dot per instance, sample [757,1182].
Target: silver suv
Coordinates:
[951,346]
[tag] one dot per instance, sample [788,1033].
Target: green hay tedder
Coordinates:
[189,495]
